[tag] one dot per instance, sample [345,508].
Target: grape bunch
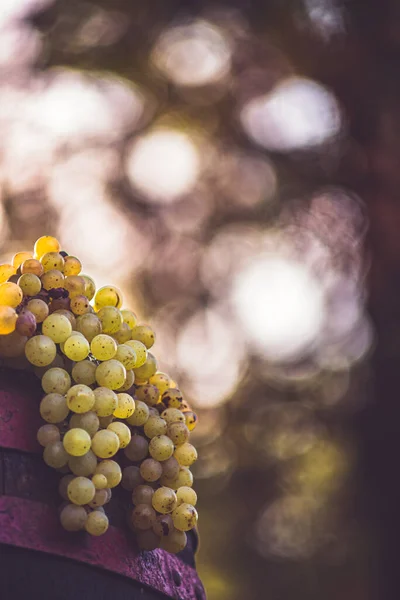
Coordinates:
[105,402]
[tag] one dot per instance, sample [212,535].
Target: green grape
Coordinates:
[80,305]
[46,243]
[155,426]
[47,434]
[72,265]
[129,381]
[77,442]
[80,398]
[99,481]
[190,420]
[105,443]
[103,347]
[106,401]
[90,286]
[125,407]
[186,454]
[73,517]
[55,455]
[40,350]
[174,542]
[170,468]
[88,421]
[164,500]
[100,498]
[147,540]
[126,355]
[10,294]
[143,516]
[148,369]
[89,325]
[107,296]
[172,398]
[111,471]
[140,351]
[12,345]
[142,494]
[184,478]
[31,265]
[53,408]
[81,491]
[161,381]
[8,320]
[131,478]
[56,380]
[129,318]
[96,523]
[63,486]
[57,327]
[75,284]
[186,495]
[122,431]
[178,432]
[111,374]
[84,372]
[184,517]
[30,284]
[18,259]
[105,421]
[140,415]
[144,334]
[7,271]
[163,525]
[52,260]
[123,334]
[83,466]
[111,319]
[76,347]
[161,448]
[150,470]
[66,313]
[52,279]
[173,415]
[148,394]
[26,323]
[137,449]
[38,308]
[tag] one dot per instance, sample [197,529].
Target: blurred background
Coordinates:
[234,168]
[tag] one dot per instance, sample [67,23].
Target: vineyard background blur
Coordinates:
[207,158]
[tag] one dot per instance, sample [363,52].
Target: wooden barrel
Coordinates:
[40,559]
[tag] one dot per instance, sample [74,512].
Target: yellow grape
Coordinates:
[100,481]
[111,374]
[57,327]
[164,500]
[90,286]
[148,369]
[144,334]
[68,314]
[143,516]
[126,355]
[54,408]
[140,415]
[174,542]
[155,425]
[137,449]
[161,447]
[30,284]
[186,454]
[83,466]
[103,347]
[75,284]
[96,523]
[8,320]
[129,318]
[48,433]
[150,470]
[56,380]
[161,381]
[105,443]
[12,345]
[140,351]
[122,431]
[76,347]
[6,271]
[129,381]
[52,279]
[52,260]
[148,393]
[81,491]
[190,419]
[88,421]
[106,401]
[80,305]
[173,415]
[19,258]
[178,433]
[73,517]
[172,398]
[163,525]
[111,319]
[40,350]
[84,372]
[31,265]
[77,442]
[111,471]
[89,325]
[44,244]
[186,495]
[55,455]
[108,295]
[142,494]
[72,265]
[185,517]
[80,398]
[184,478]
[125,407]
[123,334]
[38,308]
[10,294]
